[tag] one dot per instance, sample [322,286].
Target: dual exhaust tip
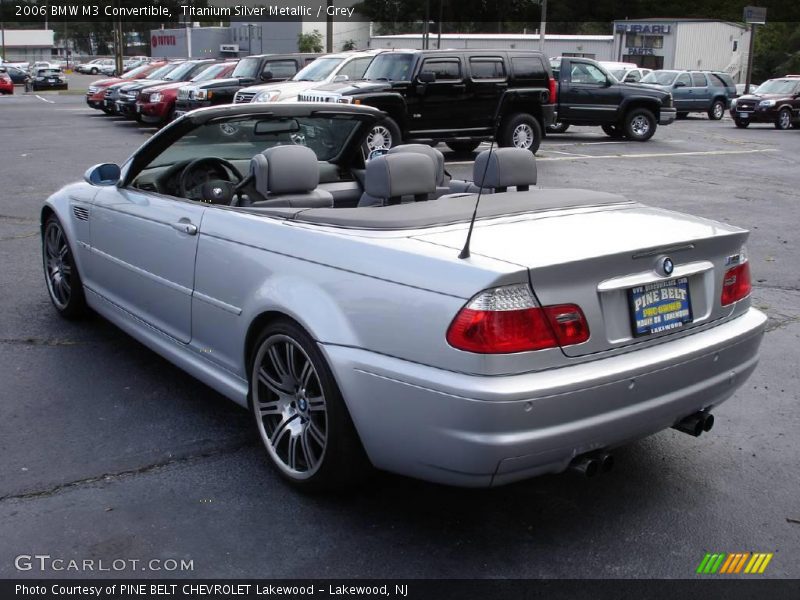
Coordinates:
[594,463]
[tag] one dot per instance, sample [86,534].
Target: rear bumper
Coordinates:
[480,431]
[667,116]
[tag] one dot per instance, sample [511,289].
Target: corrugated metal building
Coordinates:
[598,47]
[683,44]
[28,45]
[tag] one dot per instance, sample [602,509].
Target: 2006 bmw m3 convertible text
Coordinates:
[260,250]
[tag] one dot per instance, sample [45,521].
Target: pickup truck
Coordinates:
[589,95]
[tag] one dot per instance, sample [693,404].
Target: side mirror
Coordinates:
[340,78]
[266,76]
[679,84]
[103,174]
[426,77]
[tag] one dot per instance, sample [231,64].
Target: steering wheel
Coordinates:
[213,191]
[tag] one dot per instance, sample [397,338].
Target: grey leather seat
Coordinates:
[288,176]
[438,163]
[396,178]
[499,170]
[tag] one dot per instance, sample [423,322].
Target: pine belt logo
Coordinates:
[737,563]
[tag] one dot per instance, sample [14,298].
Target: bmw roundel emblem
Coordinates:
[668,266]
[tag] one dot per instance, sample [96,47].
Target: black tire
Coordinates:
[613,131]
[64,285]
[557,128]
[717,110]
[107,111]
[683,115]
[95,71]
[521,130]
[463,147]
[784,119]
[385,134]
[309,413]
[741,124]
[639,125]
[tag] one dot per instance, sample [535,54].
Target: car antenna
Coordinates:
[465,250]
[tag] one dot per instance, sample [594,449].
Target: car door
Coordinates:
[701,94]
[143,254]
[586,93]
[682,93]
[489,81]
[441,104]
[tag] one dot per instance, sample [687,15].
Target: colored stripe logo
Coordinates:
[750,563]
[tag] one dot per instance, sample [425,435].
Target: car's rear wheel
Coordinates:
[640,125]
[463,147]
[741,124]
[613,131]
[717,110]
[299,412]
[384,135]
[557,127]
[521,131]
[784,119]
[61,275]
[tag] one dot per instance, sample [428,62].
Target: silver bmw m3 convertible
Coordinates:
[335,296]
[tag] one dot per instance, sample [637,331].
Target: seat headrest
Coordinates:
[436,156]
[285,170]
[401,174]
[506,167]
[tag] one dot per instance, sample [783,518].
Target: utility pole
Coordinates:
[427,26]
[3,27]
[751,48]
[439,38]
[543,25]
[753,15]
[329,27]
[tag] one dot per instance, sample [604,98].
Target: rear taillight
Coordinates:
[553,87]
[736,284]
[507,319]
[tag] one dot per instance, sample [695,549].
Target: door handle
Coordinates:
[185,226]
[460,86]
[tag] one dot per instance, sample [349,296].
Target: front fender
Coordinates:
[78,231]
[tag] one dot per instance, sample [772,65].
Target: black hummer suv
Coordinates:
[260,68]
[452,96]
[589,95]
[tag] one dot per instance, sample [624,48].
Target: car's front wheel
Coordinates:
[384,135]
[60,272]
[94,71]
[521,131]
[613,131]
[741,124]
[717,110]
[784,119]
[640,125]
[299,412]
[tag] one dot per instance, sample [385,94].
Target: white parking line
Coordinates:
[44,99]
[647,155]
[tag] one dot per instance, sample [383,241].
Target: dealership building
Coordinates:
[27,45]
[652,43]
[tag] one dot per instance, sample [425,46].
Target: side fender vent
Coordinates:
[81,213]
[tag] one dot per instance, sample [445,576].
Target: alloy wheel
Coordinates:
[379,137]
[290,407]
[523,136]
[640,126]
[58,267]
[785,119]
[718,110]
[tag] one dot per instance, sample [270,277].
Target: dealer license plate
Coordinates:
[660,306]
[744,115]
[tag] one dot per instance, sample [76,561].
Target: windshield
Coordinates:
[136,71]
[211,72]
[159,73]
[619,74]
[660,77]
[390,67]
[180,71]
[247,68]
[318,70]
[777,86]
[240,138]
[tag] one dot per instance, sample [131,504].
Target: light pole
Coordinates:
[3,27]
[543,25]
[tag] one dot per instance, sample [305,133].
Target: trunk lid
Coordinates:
[594,257]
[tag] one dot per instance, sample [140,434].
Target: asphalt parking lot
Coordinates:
[111,452]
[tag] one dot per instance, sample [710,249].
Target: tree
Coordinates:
[309,42]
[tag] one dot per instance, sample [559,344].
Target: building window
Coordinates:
[636,40]
[579,55]
[645,61]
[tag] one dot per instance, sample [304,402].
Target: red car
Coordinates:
[6,85]
[96,92]
[156,104]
